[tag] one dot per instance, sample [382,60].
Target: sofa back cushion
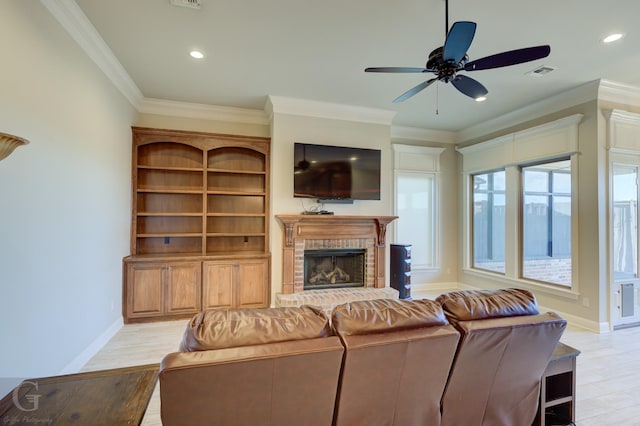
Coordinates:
[485,304]
[227,328]
[386,315]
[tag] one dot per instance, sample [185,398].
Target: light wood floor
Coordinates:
[608,371]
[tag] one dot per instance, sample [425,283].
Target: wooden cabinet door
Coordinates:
[252,282]
[217,284]
[145,285]
[183,288]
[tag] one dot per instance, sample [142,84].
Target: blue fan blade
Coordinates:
[469,86]
[396,69]
[511,57]
[458,41]
[409,93]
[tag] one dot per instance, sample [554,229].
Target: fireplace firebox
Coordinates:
[334,268]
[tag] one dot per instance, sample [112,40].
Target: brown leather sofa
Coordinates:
[469,358]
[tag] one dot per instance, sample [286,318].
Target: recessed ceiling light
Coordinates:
[481,98]
[196,54]
[612,37]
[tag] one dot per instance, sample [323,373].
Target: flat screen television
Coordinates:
[336,172]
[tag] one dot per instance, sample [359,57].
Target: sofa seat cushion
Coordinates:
[385,315]
[484,304]
[227,328]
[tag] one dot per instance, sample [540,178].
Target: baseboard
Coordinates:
[430,287]
[95,346]
[592,326]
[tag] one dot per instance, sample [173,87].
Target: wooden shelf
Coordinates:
[236,193]
[238,172]
[169,168]
[170,234]
[197,196]
[170,214]
[235,234]
[235,215]
[169,191]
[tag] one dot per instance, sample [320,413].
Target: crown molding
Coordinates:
[302,107]
[485,145]
[622,116]
[415,149]
[420,134]
[561,123]
[202,111]
[563,100]
[611,91]
[76,23]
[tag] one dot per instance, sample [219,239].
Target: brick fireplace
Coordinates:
[310,233]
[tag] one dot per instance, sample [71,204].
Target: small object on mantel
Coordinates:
[317,212]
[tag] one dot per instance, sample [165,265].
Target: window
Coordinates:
[416,183]
[489,221]
[546,222]
[415,193]
[625,221]
[521,209]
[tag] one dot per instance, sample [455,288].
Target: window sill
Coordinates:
[548,289]
[425,268]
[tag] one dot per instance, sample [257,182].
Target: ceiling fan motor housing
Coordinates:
[444,70]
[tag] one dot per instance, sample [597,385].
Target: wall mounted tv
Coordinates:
[336,172]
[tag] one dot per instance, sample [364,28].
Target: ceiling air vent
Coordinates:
[540,71]
[193,4]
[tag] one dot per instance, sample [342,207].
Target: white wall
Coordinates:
[64,198]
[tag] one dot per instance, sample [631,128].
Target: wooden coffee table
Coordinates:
[107,397]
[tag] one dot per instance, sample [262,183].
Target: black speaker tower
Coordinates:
[401,269]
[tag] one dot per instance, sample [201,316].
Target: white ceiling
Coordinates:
[317,50]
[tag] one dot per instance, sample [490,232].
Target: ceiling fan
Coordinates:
[448,60]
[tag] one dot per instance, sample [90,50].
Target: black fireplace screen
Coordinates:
[334,268]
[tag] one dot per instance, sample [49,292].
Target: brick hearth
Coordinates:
[327,299]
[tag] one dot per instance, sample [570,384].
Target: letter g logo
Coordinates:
[32,399]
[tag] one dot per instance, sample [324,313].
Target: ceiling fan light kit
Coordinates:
[612,37]
[196,54]
[446,62]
